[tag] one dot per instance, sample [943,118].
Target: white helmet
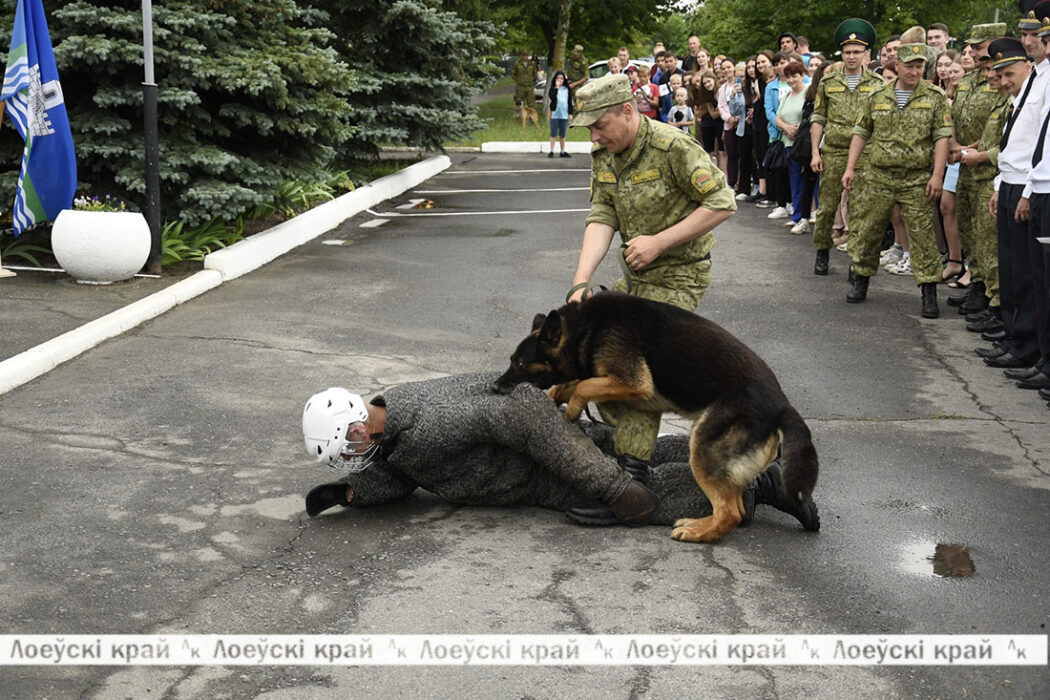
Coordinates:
[335,433]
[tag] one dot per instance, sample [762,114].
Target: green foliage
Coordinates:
[180,243]
[417,66]
[23,250]
[250,94]
[729,26]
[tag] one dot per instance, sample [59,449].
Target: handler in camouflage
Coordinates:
[458,439]
[657,187]
[835,111]
[905,127]
[974,99]
[576,68]
[524,76]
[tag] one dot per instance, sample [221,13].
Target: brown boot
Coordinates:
[636,504]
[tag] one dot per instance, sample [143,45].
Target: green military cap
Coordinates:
[599,95]
[578,48]
[1028,20]
[906,53]
[855,31]
[1006,50]
[986,32]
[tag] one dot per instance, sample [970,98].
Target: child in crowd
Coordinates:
[681,115]
[560,111]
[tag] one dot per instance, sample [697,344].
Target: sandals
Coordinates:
[945,275]
[958,282]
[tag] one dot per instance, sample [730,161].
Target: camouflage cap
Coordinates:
[578,48]
[906,53]
[598,95]
[986,32]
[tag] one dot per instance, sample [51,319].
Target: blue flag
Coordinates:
[33,97]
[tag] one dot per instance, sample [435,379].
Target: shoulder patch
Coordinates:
[703,181]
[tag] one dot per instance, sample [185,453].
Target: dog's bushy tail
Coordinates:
[798,457]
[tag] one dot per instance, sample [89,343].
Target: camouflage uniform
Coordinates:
[653,185]
[900,146]
[973,103]
[524,76]
[983,183]
[836,107]
[576,68]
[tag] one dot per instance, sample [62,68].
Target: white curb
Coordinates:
[578,147]
[222,266]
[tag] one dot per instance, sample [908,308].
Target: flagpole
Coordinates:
[149,114]
[3,272]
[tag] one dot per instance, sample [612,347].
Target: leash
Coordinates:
[592,288]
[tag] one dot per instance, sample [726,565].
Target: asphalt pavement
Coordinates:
[154,483]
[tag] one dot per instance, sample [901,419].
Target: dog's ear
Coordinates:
[551,331]
[537,322]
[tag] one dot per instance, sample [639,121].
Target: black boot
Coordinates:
[992,322]
[929,300]
[820,267]
[859,291]
[978,300]
[968,295]
[629,508]
[770,491]
[323,497]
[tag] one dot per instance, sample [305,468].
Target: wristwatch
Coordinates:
[963,152]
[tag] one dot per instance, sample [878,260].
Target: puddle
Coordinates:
[940,560]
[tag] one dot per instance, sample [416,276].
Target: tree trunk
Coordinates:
[561,35]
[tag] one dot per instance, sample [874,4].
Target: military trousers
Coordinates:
[523,96]
[634,430]
[871,205]
[828,195]
[985,237]
[967,202]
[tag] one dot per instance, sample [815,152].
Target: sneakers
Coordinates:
[778,213]
[765,203]
[788,224]
[791,209]
[842,246]
[550,154]
[902,267]
[565,155]
[741,196]
[800,228]
[891,256]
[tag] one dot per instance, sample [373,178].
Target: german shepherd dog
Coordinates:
[615,347]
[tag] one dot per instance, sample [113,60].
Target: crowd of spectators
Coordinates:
[752,114]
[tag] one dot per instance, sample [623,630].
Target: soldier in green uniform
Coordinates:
[657,187]
[835,111]
[576,68]
[970,110]
[905,128]
[524,76]
[982,164]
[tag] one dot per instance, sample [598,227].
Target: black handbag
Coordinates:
[776,157]
[802,149]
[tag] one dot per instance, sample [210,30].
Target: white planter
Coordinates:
[100,247]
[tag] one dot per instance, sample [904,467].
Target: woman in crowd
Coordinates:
[954,269]
[728,156]
[705,108]
[944,62]
[741,106]
[788,119]
[778,178]
[764,74]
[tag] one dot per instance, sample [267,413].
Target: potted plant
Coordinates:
[99,241]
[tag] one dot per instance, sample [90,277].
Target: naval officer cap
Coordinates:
[1006,50]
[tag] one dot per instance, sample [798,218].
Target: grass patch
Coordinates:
[498,112]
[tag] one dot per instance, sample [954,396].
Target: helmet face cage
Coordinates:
[334,431]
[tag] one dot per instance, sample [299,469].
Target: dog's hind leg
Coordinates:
[722,473]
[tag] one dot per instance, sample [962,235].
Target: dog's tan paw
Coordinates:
[696,530]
